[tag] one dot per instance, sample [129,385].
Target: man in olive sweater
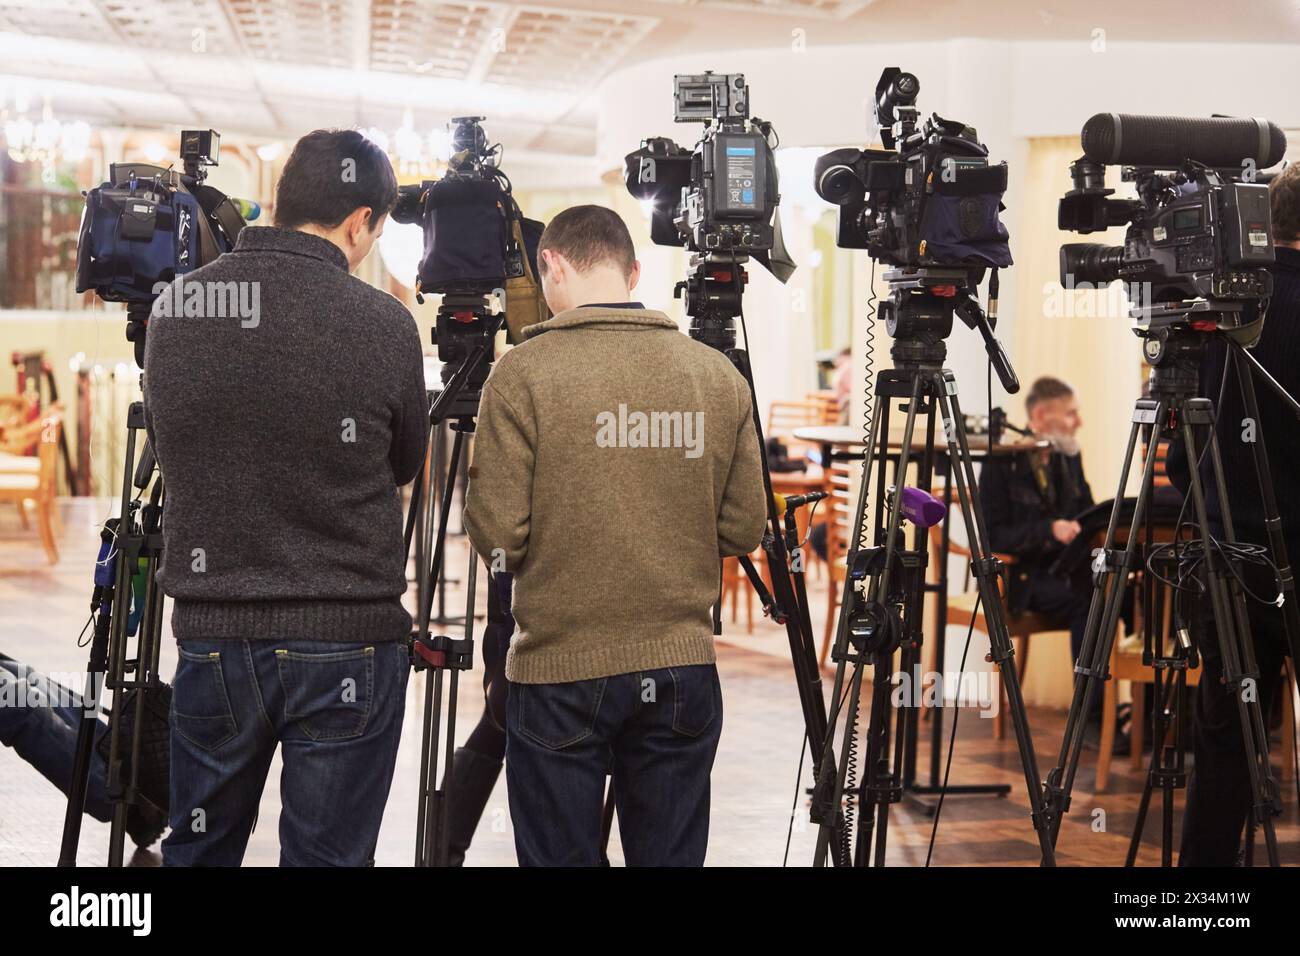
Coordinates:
[615,464]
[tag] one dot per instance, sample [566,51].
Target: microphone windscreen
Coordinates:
[922,508]
[1222,142]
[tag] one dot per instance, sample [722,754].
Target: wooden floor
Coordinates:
[43,609]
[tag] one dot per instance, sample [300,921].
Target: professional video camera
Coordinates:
[721,196]
[929,198]
[928,205]
[1196,259]
[147,225]
[1199,229]
[476,243]
[719,201]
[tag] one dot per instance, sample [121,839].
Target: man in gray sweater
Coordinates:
[283,429]
[616,463]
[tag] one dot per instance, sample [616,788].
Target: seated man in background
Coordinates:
[1030,502]
[615,464]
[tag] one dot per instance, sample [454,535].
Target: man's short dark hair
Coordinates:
[1284,197]
[588,236]
[329,175]
[1045,389]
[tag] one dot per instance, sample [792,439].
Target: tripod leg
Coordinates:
[986,569]
[1235,644]
[835,820]
[1110,572]
[1245,364]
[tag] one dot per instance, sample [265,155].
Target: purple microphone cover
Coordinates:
[922,508]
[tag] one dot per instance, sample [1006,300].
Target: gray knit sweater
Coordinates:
[283,433]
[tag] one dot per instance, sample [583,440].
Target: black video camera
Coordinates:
[468,218]
[1200,228]
[929,198]
[722,196]
[147,225]
[476,240]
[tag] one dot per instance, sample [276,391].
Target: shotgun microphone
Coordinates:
[1221,142]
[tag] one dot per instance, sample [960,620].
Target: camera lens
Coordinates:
[1090,262]
[839,185]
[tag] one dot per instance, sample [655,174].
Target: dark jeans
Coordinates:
[1219,795]
[336,708]
[39,720]
[657,730]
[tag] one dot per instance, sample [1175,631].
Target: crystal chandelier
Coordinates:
[413,153]
[47,141]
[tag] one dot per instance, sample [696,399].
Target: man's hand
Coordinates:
[1065,531]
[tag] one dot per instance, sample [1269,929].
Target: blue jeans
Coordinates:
[45,734]
[336,708]
[657,733]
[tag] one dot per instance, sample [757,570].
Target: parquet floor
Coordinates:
[42,610]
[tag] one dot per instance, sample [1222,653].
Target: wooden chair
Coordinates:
[784,417]
[839,528]
[962,613]
[829,403]
[25,478]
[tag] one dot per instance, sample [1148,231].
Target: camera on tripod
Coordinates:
[929,198]
[477,243]
[722,195]
[719,200]
[147,225]
[1200,228]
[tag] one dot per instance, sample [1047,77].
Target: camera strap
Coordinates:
[215,205]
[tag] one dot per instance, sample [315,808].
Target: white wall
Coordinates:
[1010,91]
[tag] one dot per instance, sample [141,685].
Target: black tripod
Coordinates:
[713,294]
[1175,337]
[881,606]
[1170,662]
[125,575]
[465,332]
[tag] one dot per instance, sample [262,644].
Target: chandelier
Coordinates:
[47,141]
[413,153]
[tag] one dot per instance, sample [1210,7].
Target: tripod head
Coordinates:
[713,293]
[465,334]
[918,316]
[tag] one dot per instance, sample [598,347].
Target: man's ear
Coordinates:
[634,276]
[552,262]
[358,221]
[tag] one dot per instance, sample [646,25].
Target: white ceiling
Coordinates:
[276,68]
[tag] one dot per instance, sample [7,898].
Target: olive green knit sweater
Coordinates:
[615,462]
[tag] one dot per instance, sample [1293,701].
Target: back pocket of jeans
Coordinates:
[559,715]
[328,695]
[696,698]
[201,711]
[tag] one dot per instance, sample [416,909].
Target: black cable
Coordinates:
[952,735]
[794,805]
